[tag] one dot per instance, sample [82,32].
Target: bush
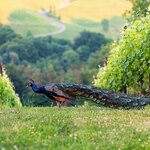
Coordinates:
[129,61]
[8,97]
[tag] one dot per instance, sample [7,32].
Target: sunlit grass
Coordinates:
[74,128]
[8,6]
[24,21]
[73,29]
[95,10]
[71,32]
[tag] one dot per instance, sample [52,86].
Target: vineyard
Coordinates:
[106,82]
[128,66]
[8,98]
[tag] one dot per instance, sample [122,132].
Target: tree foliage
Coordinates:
[139,9]
[46,59]
[93,40]
[6,34]
[8,98]
[129,61]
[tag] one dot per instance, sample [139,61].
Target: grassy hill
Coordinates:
[81,128]
[77,15]
[8,6]
[95,10]
[73,29]
[24,21]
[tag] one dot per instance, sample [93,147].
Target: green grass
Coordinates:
[115,26]
[79,25]
[24,21]
[82,128]
[71,32]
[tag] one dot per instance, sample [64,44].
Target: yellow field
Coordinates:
[95,10]
[7,6]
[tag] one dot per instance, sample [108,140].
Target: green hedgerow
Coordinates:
[8,97]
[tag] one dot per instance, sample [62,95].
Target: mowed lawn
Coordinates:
[79,128]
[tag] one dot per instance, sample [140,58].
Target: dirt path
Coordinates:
[61,27]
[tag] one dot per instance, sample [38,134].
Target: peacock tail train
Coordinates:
[100,96]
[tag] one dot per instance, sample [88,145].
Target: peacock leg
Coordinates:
[58,104]
[61,104]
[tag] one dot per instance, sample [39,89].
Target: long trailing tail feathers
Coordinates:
[104,97]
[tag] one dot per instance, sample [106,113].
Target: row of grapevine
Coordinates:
[8,97]
[129,61]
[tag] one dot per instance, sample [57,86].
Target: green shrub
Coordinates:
[129,61]
[8,97]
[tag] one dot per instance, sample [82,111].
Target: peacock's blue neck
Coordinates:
[37,89]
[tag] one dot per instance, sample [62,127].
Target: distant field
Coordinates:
[83,128]
[77,15]
[8,6]
[71,32]
[78,25]
[95,10]
[25,21]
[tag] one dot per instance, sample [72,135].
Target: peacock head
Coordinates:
[30,83]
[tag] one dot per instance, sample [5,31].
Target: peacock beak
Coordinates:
[27,85]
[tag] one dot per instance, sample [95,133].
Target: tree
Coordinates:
[128,64]
[139,9]
[90,39]
[105,25]
[83,52]
[70,58]
[99,58]
[6,34]
[46,59]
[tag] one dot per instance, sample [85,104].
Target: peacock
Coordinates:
[62,93]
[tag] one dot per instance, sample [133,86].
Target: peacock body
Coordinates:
[62,92]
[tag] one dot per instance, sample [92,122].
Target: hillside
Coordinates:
[95,10]
[78,25]
[76,15]
[81,128]
[26,21]
[8,6]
